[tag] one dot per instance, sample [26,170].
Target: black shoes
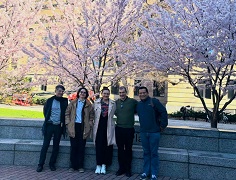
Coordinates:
[53,168]
[39,168]
[120,172]
[128,174]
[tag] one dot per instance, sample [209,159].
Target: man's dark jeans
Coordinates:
[124,141]
[54,131]
[150,144]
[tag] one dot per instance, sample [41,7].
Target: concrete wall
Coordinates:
[188,138]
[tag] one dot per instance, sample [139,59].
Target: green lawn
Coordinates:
[13,113]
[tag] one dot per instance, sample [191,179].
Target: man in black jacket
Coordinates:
[54,126]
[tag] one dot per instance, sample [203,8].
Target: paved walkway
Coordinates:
[29,173]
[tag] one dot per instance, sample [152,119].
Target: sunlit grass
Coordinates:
[14,113]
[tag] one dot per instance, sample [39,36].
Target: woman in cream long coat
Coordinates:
[104,130]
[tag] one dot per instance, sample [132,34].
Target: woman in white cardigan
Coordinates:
[104,130]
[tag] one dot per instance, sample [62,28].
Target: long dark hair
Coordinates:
[87,94]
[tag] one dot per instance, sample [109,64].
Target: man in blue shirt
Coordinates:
[153,119]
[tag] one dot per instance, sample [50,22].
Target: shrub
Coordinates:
[39,100]
[231,117]
[177,114]
[190,114]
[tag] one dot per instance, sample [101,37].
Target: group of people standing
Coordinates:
[82,119]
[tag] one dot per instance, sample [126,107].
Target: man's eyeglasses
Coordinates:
[60,91]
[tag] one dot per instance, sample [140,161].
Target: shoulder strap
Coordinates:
[155,110]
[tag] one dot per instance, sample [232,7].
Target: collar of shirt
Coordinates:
[81,101]
[124,99]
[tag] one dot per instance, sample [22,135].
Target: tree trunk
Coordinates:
[97,90]
[214,123]
[214,120]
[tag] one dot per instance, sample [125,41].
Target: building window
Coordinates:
[158,89]
[208,93]
[204,92]
[115,89]
[204,89]
[137,84]
[231,89]
[43,87]
[230,93]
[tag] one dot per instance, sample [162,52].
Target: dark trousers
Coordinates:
[77,148]
[124,141]
[104,153]
[54,131]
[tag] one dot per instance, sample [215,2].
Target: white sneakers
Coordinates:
[103,170]
[100,169]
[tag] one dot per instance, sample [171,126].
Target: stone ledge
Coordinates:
[189,142]
[212,159]
[26,152]
[165,154]
[212,140]
[21,122]
[227,145]
[195,132]
[174,130]
[203,172]
[227,134]
[168,154]
[180,163]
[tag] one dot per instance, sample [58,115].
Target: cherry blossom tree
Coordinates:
[16,19]
[88,41]
[194,39]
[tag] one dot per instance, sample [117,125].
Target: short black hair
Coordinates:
[60,86]
[87,94]
[143,87]
[105,88]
